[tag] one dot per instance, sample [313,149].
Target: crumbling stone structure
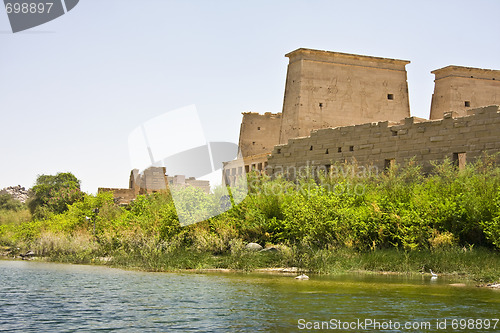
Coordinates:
[152,180]
[259,133]
[344,107]
[258,136]
[460,89]
[379,145]
[234,169]
[182,181]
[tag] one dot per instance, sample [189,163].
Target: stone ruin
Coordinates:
[342,107]
[152,180]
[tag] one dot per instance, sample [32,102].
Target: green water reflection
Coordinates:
[55,297]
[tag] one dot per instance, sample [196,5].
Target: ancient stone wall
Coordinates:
[259,133]
[182,181]
[463,88]
[240,167]
[329,89]
[153,180]
[121,195]
[460,139]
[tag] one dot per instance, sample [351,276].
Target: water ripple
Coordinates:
[41,297]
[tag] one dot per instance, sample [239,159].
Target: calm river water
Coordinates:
[44,297]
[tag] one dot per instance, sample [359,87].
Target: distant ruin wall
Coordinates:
[463,88]
[329,89]
[379,145]
[121,195]
[153,180]
[149,181]
[241,166]
[259,133]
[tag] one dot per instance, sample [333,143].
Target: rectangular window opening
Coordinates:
[459,160]
[390,96]
[326,152]
[467,104]
[389,163]
[311,148]
[351,148]
[394,133]
[339,149]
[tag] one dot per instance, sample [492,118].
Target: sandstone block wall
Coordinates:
[461,139]
[243,165]
[121,195]
[181,181]
[329,89]
[463,88]
[150,181]
[259,133]
[153,179]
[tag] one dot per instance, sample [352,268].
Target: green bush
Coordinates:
[9,203]
[53,194]
[321,220]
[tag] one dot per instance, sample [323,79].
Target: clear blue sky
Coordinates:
[73,89]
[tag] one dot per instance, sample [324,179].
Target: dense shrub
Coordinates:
[402,208]
[53,194]
[9,203]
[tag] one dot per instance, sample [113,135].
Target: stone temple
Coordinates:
[342,107]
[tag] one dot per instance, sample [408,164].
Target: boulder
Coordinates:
[27,255]
[253,247]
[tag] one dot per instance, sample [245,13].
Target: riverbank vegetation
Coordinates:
[403,220]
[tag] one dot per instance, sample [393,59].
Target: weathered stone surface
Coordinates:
[259,133]
[328,89]
[151,180]
[351,108]
[16,192]
[430,141]
[253,247]
[461,89]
